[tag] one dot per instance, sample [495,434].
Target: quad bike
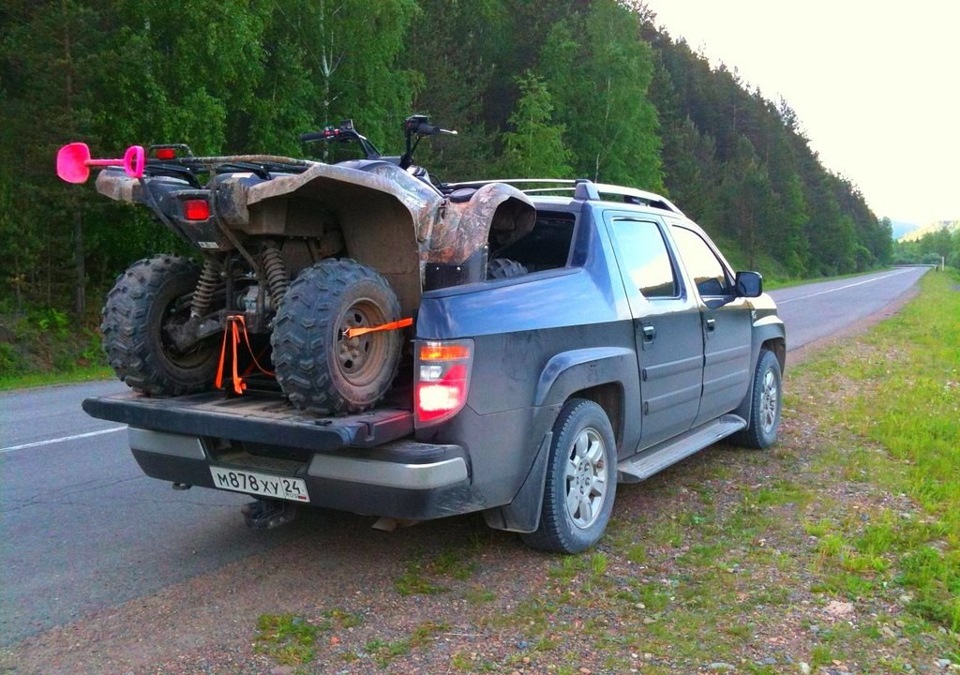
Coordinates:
[322,265]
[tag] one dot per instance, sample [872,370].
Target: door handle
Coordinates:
[649,333]
[711,324]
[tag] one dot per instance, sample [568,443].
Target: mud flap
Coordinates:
[523,513]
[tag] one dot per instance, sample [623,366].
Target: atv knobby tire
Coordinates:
[152,294]
[504,268]
[317,366]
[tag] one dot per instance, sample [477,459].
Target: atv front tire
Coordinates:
[317,366]
[151,296]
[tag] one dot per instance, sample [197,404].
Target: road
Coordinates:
[81,529]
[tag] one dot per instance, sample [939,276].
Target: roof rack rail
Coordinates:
[583,189]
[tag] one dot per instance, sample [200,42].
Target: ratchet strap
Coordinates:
[357,331]
[235,331]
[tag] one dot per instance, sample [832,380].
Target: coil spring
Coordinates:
[276,274]
[205,287]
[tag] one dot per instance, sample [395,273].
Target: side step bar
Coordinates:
[652,460]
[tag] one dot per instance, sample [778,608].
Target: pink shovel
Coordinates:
[73,162]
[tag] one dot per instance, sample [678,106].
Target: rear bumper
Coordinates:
[400,479]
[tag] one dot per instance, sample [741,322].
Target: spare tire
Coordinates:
[317,366]
[149,299]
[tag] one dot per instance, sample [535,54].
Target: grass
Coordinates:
[287,638]
[72,376]
[907,413]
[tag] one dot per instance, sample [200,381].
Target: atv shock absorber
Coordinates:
[205,287]
[276,274]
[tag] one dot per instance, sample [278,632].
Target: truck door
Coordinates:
[726,322]
[667,327]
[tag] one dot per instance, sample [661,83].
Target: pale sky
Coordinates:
[875,85]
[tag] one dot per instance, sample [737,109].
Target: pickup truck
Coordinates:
[626,344]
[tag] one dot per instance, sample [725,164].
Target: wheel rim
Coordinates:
[360,359]
[586,479]
[769,402]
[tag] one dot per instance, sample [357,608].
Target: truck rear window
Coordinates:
[546,247]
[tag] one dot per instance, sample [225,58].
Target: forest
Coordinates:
[558,88]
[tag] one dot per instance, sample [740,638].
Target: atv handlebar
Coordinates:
[345,133]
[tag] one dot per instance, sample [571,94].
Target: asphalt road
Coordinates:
[81,529]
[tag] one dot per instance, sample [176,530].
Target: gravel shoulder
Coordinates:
[712,566]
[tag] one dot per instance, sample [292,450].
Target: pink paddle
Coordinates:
[73,162]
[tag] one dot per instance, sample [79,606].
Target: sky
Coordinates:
[875,85]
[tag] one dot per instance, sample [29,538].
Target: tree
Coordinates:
[598,72]
[535,148]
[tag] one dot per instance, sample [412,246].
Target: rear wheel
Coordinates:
[149,301]
[581,480]
[319,368]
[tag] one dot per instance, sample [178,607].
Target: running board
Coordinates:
[652,460]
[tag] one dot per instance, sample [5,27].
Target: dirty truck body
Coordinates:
[627,314]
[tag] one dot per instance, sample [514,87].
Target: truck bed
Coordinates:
[255,417]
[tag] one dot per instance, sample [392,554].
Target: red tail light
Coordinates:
[166,153]
[196,209]
[442,380]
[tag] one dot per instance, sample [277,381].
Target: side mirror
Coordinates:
[749,284]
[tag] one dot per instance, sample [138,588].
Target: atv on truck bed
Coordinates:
[309,269]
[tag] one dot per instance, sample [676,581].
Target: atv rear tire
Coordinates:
[317,366]
[150,296]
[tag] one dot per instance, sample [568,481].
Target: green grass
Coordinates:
[287,638]
[72,376]
[908,407]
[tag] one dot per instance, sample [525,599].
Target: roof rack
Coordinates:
[582,188]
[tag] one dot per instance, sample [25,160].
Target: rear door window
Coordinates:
[644,258]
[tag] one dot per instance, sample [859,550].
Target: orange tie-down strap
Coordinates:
[357,331]
[235,329]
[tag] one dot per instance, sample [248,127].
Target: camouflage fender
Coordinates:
[384,214]
[495,211]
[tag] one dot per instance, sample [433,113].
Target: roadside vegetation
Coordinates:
[48,346]
[837,551]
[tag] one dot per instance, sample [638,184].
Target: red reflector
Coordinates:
[166,153]
[196,209]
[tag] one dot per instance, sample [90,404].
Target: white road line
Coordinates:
[841,288]
[75,437]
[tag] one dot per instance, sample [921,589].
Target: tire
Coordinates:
[316,366]
[766,405]
[581,481]
[504,268]
[154,293]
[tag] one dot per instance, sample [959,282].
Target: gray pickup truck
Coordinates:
[620,343]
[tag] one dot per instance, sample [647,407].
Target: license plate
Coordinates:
[264,485]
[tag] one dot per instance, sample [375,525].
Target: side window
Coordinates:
[705,268]
[644,258]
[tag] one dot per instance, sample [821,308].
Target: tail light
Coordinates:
[442,380]
[196,209]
